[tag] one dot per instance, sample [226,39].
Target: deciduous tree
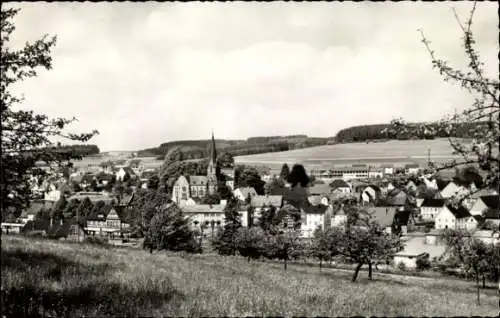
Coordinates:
[26,137]
[225,241]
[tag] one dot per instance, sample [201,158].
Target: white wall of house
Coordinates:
[240,196]
[410,261]
[312,222]
[430,213]
[339,220]
[468,223]
[478,207]
[445,219]
[53,195]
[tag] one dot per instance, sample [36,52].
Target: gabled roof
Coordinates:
[442,185]
[320,189]
[492,214]
[261,200]
[245,191]
[374,187]
[491,201]
[397,199]
[198,180]
[460,212]
[314,209]
[338,183]
[435,203]
[203,208]
[383,215]
[314,199]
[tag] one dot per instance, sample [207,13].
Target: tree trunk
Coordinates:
[484,282]
[370,271]
[356,271]
[248,259]
[320,263]
[285,263]
[477,283]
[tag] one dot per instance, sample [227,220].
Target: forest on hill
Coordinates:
[416,131]
[197,149]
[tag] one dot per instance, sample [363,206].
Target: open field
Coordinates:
[74,280]
[397,152]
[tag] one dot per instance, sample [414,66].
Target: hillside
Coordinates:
[393,151]
[196,149]
[54,278]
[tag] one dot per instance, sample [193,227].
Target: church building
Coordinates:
[198,186]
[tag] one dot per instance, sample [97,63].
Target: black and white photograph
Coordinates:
[250,159]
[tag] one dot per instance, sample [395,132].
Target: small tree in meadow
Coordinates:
[169,230]
[225,241]
[285,246]
[249,242]
[363,241]
[320,247]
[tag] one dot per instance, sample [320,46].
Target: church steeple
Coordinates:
[213,150]
[212,167]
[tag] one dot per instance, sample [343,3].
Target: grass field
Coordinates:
[75,280]
[394,151]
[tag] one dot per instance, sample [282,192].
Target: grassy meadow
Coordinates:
[50,278]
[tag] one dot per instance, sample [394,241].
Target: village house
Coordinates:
[124,173]
[412,168]
[430,208]
[340,186]
[110,226]
[261,203]
[314,217]
[387,169]
[339,218]
[370,194]
[375,173]
[487,236]
[452,189]
[484,203]
[418,246]
[386,187]
[12,228]
[318,199]
[319,189]
[243,193]
[455,218]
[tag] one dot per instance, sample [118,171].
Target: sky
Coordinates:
[147,73]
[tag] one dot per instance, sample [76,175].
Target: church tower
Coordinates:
[212,167]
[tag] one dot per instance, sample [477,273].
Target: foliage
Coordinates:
[481,118]
[169,230]
[211,199]
[362,240]
[225,242]
[423,263]
[225,160]
[25,135]
[144,206]
[285,172]
[320,247]
[284,245]
[268,218]
[249,242]
[275,187]
[224,191]
[246,176]
[298,175]
[84,210]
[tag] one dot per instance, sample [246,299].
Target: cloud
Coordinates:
[143,74]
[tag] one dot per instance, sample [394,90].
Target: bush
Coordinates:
[423,263]
[402,266]
[96,240]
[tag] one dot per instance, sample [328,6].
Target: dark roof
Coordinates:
[442,184]
[383,215]
[492,214]
[314,209]
[436,203]
[411,165]
[460,212]
[376,188]
[320,189]
[491,201]
[258,201]
[339,183]
[397,199]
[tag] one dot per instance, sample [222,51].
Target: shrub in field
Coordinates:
[402,266]
[96,240]
[169,230]
[423,263]
[249,242]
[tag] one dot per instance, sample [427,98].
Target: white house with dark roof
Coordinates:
[484,203]
[123,172]
[430,208]
[412,168]
[181,190]
[341,186]
[455,218]
[243,193]
[370,194]
[314,217]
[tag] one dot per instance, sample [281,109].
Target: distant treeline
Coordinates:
[197,149]
[415,131]
[79,150]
